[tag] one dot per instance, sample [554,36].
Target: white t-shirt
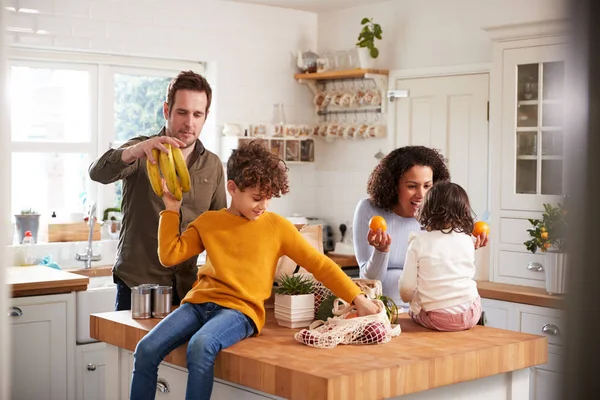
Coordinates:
[439,271]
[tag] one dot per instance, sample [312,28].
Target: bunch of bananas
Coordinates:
[174,170]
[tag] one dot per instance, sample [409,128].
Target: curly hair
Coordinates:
[382,186]
[252,164]
[188,80]
[446,206]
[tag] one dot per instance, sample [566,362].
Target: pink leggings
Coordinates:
[443,321]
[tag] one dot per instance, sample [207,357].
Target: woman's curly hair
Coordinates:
[252,164]
[446,206]
[382,186]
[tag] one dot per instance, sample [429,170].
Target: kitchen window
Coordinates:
[66,110]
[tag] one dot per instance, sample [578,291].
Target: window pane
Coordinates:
[139,105]
[49,182]
[50,104]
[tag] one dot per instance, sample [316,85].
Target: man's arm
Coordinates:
[110,167]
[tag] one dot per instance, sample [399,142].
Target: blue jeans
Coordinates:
[209,329]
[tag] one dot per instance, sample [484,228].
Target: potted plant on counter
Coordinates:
[549,235]
[367,51]
[294,300]
[28,220]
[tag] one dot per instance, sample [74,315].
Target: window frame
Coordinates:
[102,68]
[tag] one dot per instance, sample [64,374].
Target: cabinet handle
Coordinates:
[535,266]
[163,386]
[551,329]
[91,367]
[15,312]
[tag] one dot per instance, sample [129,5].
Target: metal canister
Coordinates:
[161,301]
[141,301]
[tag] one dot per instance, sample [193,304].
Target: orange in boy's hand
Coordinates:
[479,227]
[378,222]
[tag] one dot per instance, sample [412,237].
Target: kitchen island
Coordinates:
[419,364]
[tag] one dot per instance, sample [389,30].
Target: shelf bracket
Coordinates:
[312,84]
[381,81]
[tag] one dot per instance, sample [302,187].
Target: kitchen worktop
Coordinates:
[417,360]
[519,294]
[41,280]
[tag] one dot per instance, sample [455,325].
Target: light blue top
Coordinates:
[385,267]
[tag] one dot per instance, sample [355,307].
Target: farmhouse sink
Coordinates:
[100,297]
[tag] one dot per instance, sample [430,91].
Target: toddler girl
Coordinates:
[438,278]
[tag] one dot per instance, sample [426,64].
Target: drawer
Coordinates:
[551,327]
[523,265]
[514,230]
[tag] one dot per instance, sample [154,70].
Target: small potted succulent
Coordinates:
[294,300]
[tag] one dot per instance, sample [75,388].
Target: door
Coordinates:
[91,371]
[450,113]
[39,351]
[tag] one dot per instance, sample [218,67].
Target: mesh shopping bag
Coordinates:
[372,288]
[346,328]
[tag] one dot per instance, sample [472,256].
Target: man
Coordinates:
[185,111]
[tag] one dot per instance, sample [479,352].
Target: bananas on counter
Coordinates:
[174,170]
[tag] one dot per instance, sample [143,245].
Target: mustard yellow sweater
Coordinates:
[242,257]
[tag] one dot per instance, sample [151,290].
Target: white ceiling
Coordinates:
[316,6]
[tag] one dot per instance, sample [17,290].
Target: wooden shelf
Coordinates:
[342,74]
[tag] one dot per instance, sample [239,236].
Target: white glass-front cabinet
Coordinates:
[532,126]
[527,137]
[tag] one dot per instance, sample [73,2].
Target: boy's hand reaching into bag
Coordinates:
[364,306]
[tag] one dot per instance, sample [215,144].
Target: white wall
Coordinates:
[248,47]
[416,35]
[4,209]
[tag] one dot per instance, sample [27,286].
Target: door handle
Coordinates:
[535,266]
[15,312]
[162,386]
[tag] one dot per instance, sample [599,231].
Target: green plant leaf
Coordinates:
[294,285]
[374,52]
[378,36]
[377,30]
[326,308]
[365,21]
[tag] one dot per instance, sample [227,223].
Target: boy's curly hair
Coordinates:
[252,164]
[382,186]
[446,206]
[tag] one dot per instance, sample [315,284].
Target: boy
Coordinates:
[243,244]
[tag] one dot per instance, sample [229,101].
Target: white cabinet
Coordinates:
[91,371]
[544,379]
[172,381]
[43,345]
[527,103]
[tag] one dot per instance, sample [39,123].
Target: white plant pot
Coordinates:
[555,269]
[294,311]
[365,59]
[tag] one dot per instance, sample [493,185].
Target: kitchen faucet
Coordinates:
[89,255]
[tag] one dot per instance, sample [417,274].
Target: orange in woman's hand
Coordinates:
[479,227]
[378,222]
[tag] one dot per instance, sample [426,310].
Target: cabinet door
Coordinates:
[91,371]
[39,351]
[533,106]
[545,385]
[498,314]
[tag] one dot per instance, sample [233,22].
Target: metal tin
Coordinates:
[161,301]
[141,301]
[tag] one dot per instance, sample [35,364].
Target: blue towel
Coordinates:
[47,261]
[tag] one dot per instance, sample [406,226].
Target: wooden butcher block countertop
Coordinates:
[40,280]
[519,294]
[419,359]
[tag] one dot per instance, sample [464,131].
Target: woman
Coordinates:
[396,189]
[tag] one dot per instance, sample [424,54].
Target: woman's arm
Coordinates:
[408,281]
[372,262]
